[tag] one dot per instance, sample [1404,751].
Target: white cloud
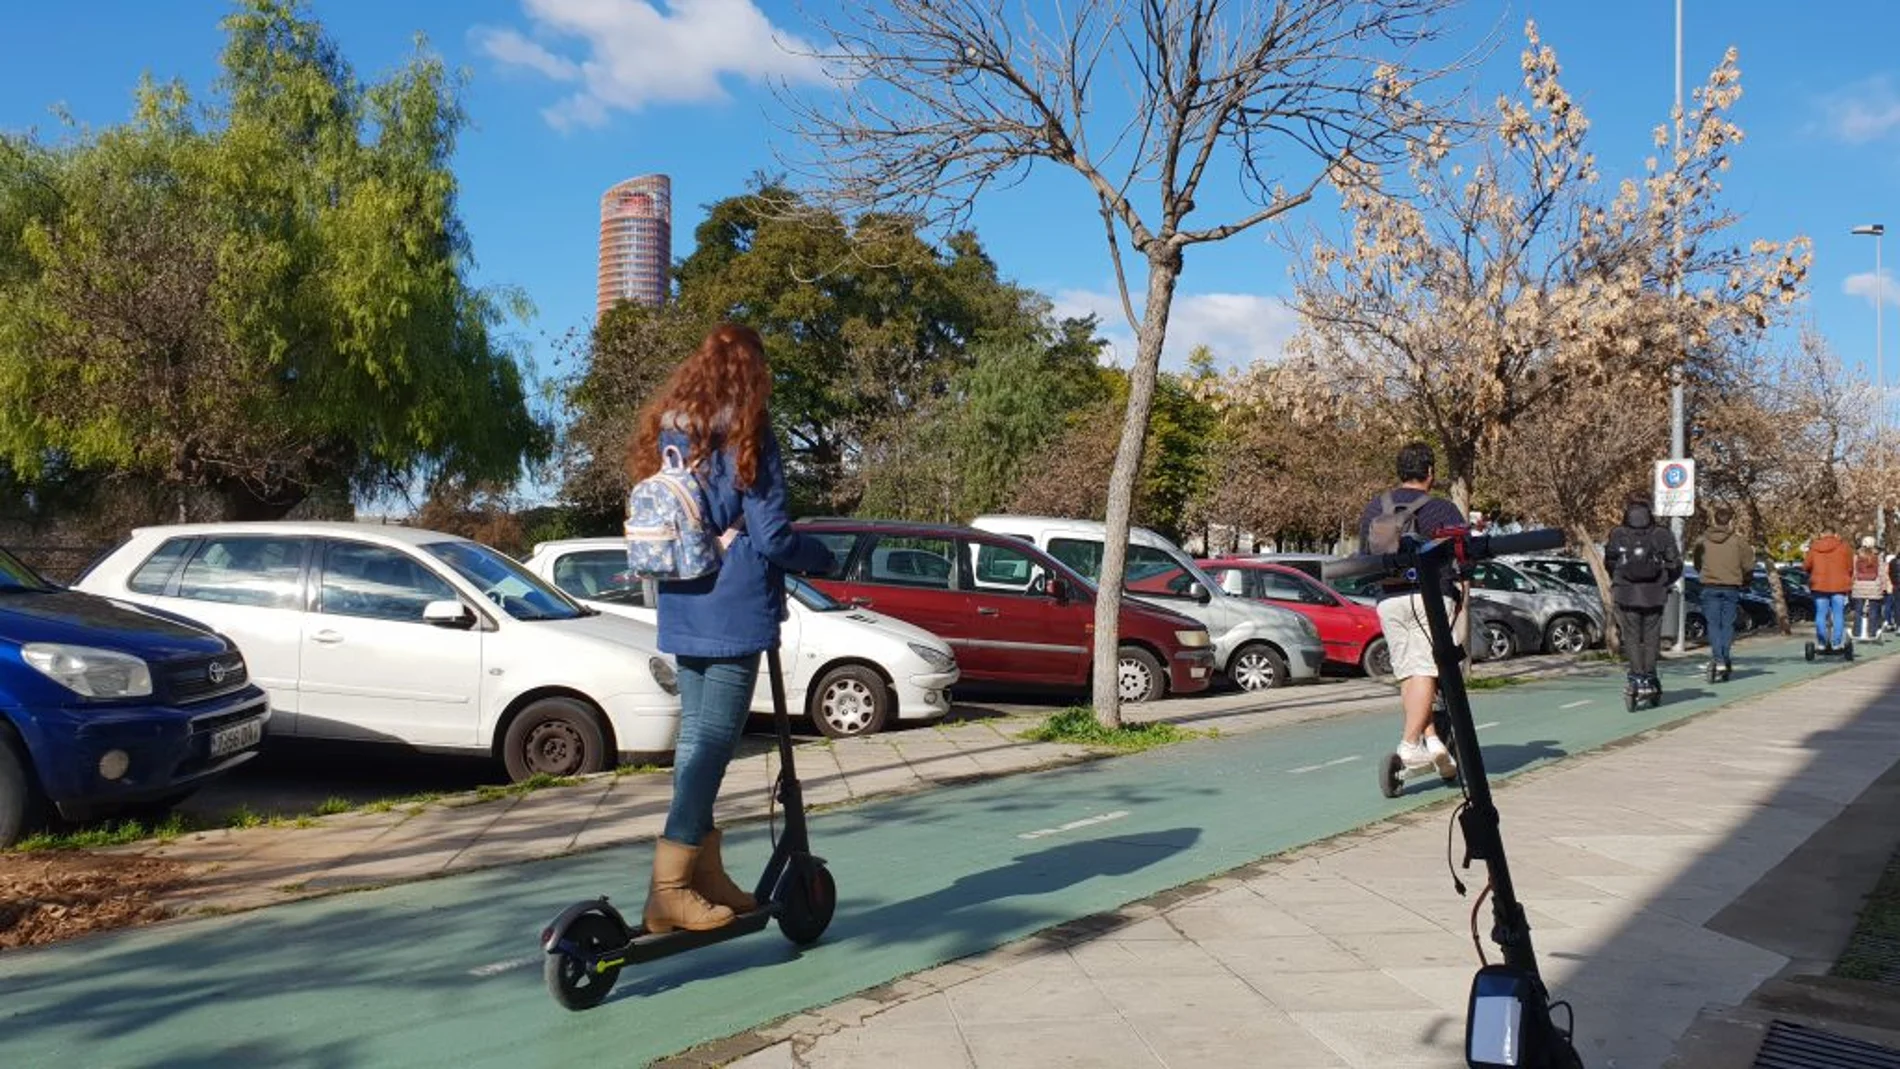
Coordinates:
[1867,110]
[1240,327]
[1864,286]
[628,54]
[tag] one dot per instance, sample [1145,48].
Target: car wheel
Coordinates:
[1257,667]
[1377,660]
[1499,643]
[1698,628]
[1567,635]
[1138,676]
[554,737]
[19,797]
[850,700]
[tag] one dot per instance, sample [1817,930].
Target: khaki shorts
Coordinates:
[1409,640]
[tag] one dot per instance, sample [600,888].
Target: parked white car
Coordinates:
[398,635]
[851,670]
[1256,645]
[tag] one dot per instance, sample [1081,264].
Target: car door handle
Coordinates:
[986,612]
[328,638]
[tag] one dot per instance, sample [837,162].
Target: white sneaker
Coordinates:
[1415,756]
[1441,756]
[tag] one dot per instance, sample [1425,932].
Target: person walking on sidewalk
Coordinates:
[1724,560]
[1644,562]
[1891,618]
[713,411]
[1410,508]
[1869,589]
[1830,568]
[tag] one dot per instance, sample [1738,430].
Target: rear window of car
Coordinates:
[263,572]
[925,562]
[599,575]
[155,575]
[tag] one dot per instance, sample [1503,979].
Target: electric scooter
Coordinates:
[589,944]
[1646,692]
[1845,651]
[1393,775]
[1508,1021]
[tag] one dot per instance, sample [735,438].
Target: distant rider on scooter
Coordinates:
[1644,563]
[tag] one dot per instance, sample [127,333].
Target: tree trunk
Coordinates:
[1164,268]
[1612,634]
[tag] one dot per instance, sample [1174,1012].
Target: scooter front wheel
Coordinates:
[811,897]
[570,980]
[1808,651]
[1389,782]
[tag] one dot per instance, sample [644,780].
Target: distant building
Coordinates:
[636,242]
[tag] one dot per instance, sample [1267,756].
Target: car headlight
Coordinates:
[91,672]
[934,657]
[664,675]
[1193,640]
[1307,628]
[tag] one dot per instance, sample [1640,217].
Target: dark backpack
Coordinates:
[1634,557]
[1393,523]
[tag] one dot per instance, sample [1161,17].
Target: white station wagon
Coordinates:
[852,670]
[391,634]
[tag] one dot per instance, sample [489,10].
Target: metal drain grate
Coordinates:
[1793,1046]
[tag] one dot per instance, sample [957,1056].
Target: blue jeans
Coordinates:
[715,697]
[1718,606]
[1830,619]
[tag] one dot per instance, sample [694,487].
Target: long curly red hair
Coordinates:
[717,396]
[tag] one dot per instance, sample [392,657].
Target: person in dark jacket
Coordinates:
[1644,563]
[1725,562]
[713,409]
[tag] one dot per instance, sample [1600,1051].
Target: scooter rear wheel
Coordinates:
[569,980]
[1389,782]
[1808,651]
[811,897]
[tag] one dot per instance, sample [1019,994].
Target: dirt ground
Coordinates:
[56,895]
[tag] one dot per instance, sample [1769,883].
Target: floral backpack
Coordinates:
[668,537]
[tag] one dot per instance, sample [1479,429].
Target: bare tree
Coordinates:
[949,97]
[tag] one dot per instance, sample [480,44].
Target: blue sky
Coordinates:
[569,96]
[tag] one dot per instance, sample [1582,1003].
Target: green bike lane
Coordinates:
[446,972]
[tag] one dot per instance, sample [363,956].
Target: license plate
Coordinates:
[237,737]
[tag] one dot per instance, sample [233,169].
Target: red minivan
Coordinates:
[1015,615]
[1350,631]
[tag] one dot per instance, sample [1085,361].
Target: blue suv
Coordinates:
[106,706]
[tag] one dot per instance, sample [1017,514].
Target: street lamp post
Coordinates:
[1678,430]
[1877,231]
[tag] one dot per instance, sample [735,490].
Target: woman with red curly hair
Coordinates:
[713,411]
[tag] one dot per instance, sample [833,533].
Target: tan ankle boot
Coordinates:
[671,901]
[711,881]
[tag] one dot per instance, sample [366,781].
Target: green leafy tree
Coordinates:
[865,324]
[260,296]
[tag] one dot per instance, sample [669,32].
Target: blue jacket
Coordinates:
[736,610]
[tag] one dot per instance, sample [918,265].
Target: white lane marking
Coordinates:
[1487,724]
[499,967]
[1304,769]
[1099,818]
[1576,704]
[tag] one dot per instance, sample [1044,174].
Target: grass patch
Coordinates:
[1493,682]
[1869,949]
[100,836]
[244,817]
[332,806]
[1077,724]
[536,782]
[636,770]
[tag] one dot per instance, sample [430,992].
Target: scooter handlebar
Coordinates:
[1476,547]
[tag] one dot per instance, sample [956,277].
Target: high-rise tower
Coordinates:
[636,242]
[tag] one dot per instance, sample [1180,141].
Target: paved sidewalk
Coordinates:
[1356,952]
[238,869]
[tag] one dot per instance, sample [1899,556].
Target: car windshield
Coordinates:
[515,590]
[1548,584]
[813,598]
[16,576]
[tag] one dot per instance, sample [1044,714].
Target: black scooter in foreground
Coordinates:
[1508,1022]
[590,942]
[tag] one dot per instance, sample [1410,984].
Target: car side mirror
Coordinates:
[449,614]
[1199,593]
[1055,587]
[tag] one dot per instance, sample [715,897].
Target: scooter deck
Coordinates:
[647,946]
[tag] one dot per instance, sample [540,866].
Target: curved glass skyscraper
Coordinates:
[636,242]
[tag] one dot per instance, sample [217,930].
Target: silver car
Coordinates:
[1570,620]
